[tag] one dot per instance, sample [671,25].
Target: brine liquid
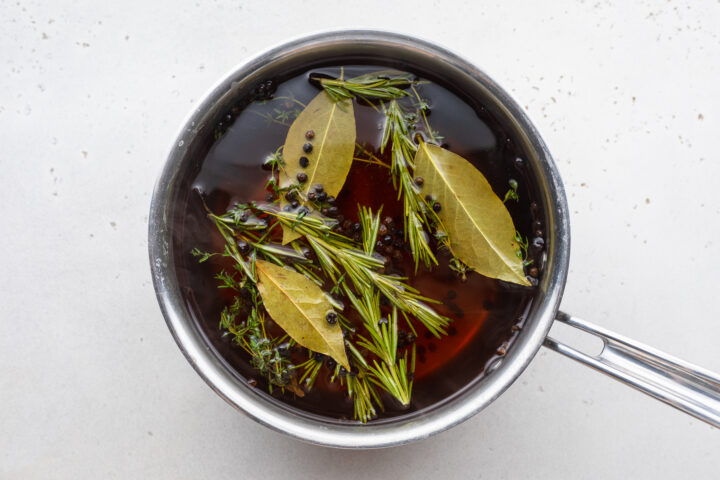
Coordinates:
[487,314]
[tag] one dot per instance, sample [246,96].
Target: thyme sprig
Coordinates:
[268,355]
[244,319]
[512,193]
[522,251]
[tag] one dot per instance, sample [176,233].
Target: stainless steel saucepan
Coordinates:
[678,383]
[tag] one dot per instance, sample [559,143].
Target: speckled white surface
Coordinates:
[91,94]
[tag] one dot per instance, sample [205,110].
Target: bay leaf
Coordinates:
[480,228]
[333,125]
[299,306]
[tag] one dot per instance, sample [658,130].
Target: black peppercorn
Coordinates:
[436,207]
[419,181]
[324,211]
[330,200]
[307,148]
[318,188]
[356,227]
[304,162]
[382,321]
[310,134]
[243,247]
[322,196]
[538,243]
[302,177]
[291,195]
[428,198]
[312,195]
[284,350]
[303,210]
[387,239]
[331,317]
[333,211]
[244,216]
[388,221]
[382,229]
[294,204]
[534,272]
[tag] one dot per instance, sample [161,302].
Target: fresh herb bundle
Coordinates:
[324,285]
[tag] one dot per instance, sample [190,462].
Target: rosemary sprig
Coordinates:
[403,150]
[311,368]
[373,86]
[390,373]
[338,255]
[366,87]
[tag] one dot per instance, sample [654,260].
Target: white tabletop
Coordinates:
[91,94]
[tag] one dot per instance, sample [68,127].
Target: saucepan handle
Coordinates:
[689,388]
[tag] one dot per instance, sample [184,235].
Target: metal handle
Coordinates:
[689,388]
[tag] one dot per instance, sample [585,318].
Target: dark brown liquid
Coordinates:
[484,311]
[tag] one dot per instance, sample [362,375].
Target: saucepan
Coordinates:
[673,381]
